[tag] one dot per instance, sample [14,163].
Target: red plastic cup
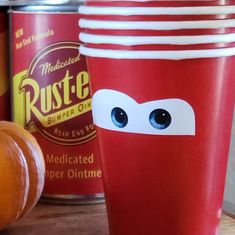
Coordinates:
[161,3]
[158,13]
[158,28]
[158,42]
[164,121]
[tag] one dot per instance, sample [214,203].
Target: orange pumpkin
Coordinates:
[22,172]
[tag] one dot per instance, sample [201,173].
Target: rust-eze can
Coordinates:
[4,68]
[229,194]
[51,99]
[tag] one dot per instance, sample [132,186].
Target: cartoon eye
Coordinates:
[119,117]
[116,111]
[160,119]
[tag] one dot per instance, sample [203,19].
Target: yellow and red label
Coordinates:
[51,98]
[4,69]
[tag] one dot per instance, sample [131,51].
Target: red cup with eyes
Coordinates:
[163,123]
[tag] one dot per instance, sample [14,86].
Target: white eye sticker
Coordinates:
[114,110]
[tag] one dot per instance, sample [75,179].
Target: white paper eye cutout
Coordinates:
[179,115]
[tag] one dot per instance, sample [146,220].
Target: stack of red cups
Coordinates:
[163,81]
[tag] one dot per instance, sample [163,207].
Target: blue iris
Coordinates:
[160,119]
[119,117]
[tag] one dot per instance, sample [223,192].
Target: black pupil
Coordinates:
[119,117]
[160,119]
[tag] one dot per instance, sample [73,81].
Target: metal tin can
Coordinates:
[51,98]
[4,68]
[229,195]
[33,2]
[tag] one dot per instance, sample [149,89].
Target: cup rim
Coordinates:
[145,40]
[146,0]
[156,54]
[130,11]
[155,25]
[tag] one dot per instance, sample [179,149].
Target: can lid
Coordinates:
[31,2]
